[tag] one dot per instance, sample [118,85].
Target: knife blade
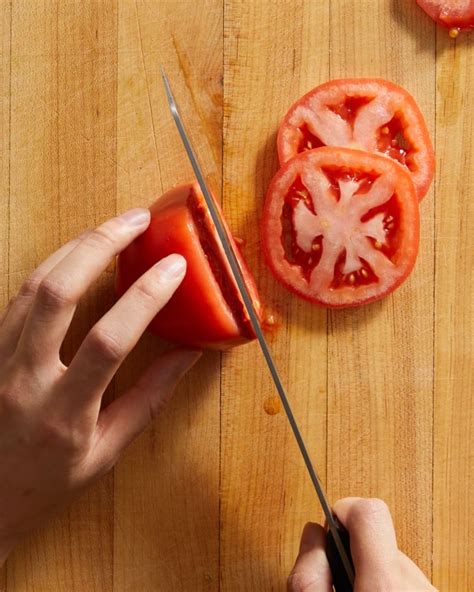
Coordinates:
[338,549]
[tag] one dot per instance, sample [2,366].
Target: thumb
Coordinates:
[311,572]
[126,417]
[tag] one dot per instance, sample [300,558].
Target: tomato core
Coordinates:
[387,215]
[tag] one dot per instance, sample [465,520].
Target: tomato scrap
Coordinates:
[456,15]
[206,310]
[341,226]
[365,114]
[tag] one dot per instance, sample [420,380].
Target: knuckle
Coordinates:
[301,581]
[103,236]
[28,289]
[370,508]
[53,294]
[147,291]
[105,344]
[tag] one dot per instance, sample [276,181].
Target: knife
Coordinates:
[338,544]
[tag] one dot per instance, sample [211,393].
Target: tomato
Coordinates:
[453,14]
[206,310]
[366,114]
[341,226]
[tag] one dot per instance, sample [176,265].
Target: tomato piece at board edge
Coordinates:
[455,18]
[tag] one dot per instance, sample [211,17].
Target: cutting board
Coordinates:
[214,495]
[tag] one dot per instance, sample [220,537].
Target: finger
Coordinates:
[60,290]
[14,316]
[116,334]
[124,419]
[311,572]
[373,540]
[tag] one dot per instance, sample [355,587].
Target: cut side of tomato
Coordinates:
[365,114]
[206,310]
[341,226]
[453,14]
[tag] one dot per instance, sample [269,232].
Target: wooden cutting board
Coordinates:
[214,496]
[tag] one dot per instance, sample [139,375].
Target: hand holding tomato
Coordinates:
[207,310]
[54,437]
[379,564]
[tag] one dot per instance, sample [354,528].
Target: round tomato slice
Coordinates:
[453,14]
[206,310]
[366,114]
[341,226]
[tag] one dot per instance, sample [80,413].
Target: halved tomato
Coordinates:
[366,114]
[453,14]
[341,226]
[206,310]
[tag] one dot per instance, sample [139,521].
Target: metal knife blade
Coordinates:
[235,268]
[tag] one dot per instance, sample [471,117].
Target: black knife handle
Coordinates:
[340,580]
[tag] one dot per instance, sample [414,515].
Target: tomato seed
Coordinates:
[454,32]
[385,130]
[309,144]
[351,278]
[316,247]
[364,273]
[269,320]
[378,245]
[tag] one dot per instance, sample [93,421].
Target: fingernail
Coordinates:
[136,217]
[172,267]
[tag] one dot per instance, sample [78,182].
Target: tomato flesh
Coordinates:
[209,243]
[341,226]
[366,114]
[206,310]
[453,14]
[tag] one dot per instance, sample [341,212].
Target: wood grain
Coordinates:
[271,54]
[5,24]
[214,495]
[62,181]
[167,487]
[453,526]
[381,356]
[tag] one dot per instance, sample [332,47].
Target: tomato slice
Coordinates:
[366,114]
[341,226]
[206,310]
[453,14]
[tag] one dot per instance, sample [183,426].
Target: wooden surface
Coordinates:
[214,495]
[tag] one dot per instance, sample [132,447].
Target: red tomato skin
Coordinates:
[427,161]
[372,162]
[447,16]
[197,314]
